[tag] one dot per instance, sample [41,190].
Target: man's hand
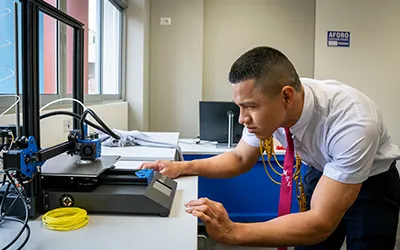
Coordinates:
[213,214]
[170,169]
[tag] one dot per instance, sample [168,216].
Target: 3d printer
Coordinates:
[72,173]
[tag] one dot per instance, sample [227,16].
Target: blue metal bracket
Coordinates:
[30,168]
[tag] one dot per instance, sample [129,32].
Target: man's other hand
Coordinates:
[215,217]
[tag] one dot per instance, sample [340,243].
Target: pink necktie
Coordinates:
[285,198]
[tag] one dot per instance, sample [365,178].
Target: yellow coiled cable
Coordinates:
[65,219]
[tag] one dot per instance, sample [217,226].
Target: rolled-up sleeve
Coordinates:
[352,146]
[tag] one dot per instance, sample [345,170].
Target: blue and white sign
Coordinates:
[338,38]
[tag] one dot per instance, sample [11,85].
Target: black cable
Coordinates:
[5,193]
[28,230]
[81,122]
[3,200]
[4,177]
[11,206]
[103,128]
[76,116]
[25,222]
[93,114]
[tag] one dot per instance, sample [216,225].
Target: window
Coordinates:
[111,55]
[48,65]
[7,58]
[93,81]
[102,52]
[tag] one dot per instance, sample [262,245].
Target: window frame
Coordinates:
[89,99]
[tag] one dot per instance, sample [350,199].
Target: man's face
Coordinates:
[261,114]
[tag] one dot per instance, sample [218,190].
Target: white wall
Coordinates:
[176,58]
[136,63]
[232,27]
[372,62]
[190,59]
[52,128]
[229,27]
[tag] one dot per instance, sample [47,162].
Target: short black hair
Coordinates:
[269,67]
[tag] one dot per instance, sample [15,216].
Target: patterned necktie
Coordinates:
[285,198]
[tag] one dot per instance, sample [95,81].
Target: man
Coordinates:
[337,130]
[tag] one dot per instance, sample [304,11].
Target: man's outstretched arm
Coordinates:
[225,165]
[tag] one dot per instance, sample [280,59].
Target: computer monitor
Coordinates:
[214,121]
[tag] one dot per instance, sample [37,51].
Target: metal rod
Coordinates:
[230,128]
[18,128]
[30,94]
[30,81]
[25,67]
[50,152]
[77,74]
[35,75]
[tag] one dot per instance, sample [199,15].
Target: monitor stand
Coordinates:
[230,128]
[230,143]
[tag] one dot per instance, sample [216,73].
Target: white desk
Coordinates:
[138,153]
[190,147]
[177,232]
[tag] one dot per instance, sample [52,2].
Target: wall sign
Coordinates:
[338,38]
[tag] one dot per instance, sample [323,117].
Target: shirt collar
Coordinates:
[301,125]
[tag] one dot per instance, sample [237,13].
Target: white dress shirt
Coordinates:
[340,132]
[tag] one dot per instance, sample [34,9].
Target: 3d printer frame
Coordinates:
[30,83]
